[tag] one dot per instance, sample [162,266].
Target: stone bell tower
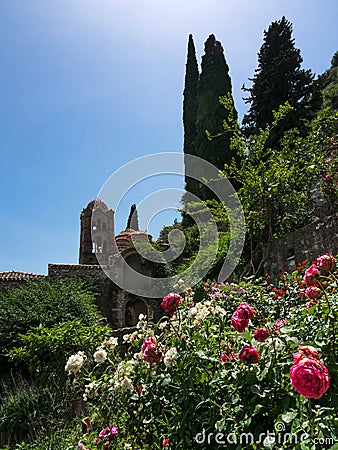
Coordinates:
[97,240]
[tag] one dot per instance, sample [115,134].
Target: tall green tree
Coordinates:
[328,82]
[279,78]
[190,110]
[214,83]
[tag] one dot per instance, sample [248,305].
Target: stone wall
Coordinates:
[109,297]
[305,244]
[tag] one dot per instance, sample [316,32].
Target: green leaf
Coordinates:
[334,447]
[289,416]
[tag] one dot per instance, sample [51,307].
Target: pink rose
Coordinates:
[311,303]
[165,442]
[310,377]
[152,356]
[114,429]
[239,323]
[261,334]
[245,311]
[310,277]
[149,342]
[170,302]
[326,262]
[305,350]
[149,353]
[313,292]
[108,431]
[249,355]
[228,357]
[279,324]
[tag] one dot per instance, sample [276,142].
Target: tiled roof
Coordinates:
[18,276]
[124,239]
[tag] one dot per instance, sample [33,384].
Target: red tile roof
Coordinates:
[18,276]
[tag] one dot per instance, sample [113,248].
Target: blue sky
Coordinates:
[87,86]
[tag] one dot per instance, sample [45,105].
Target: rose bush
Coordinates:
[196,371]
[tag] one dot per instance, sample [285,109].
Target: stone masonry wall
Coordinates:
[305,244]
[109,297]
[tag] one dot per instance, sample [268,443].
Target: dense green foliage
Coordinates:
[281,190]
[328,82]
[28,408]
[43,349]
[42,324]
[276,159]
[279,78]
[43,303]
[205,115]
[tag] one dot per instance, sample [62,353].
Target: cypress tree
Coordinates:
[214,82]
[133,219]
[190,109]
[279,78]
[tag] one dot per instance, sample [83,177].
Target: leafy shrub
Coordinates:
[45,350]
[28,406]
[43,303]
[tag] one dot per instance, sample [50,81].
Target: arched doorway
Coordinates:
[134,308]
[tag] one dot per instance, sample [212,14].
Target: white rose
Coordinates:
[100,356]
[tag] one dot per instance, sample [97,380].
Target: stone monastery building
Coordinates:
[98,245]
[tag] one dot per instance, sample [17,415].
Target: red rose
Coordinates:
[245,311]
[227,357]
[261,334]
[305,350]
[240,324]
[326,262]
[249,355]
[149,342]
[313,292]
[310,277]
[152,356]
[170,302]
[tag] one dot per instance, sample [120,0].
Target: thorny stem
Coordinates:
[331,319]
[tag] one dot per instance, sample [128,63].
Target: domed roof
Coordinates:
[97,204]
[124,238]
